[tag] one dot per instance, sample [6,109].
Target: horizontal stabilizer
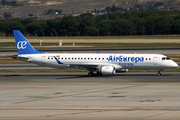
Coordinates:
[19,58]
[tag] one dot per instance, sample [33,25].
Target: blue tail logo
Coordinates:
[23,46]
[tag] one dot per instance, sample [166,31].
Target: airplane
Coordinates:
[103,64]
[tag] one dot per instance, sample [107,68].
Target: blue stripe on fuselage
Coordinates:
[57,60]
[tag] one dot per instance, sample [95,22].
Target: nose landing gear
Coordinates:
[159,72]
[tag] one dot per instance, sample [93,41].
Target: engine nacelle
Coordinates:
[108,70]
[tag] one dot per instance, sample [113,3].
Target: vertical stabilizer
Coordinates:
[23,46]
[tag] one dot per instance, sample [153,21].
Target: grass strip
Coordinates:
[41,70]
[10,60]
[154,70]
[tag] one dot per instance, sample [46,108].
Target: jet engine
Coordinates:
[108,70]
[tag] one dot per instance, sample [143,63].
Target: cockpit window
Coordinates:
[165,58]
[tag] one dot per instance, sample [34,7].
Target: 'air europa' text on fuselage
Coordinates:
[125,59]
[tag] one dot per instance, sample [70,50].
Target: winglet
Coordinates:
[97,52]
[23,46]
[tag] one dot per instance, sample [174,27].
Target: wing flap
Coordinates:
[84,66]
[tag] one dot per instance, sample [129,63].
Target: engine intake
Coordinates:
[108,70]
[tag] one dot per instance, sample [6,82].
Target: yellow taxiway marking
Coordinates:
[2,76]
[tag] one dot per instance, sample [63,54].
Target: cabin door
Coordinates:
[43,59]
[155,60]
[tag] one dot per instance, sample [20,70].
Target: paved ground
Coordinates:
[100,40]
[82,78]
[67,96]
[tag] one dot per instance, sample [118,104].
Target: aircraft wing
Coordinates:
[85,66]
[93,66]
[89,66]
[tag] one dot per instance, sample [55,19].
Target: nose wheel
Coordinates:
[159,72]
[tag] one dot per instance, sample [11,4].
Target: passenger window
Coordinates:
[146,59]
[102,58]
[99,58]
[95,58]
[84,58]
[75,58]
[88,58]
[91,58]
[149,58]
[62,58]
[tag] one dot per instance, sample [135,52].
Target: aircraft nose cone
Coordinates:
[174,64]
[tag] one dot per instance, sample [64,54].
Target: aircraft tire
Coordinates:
[90,74]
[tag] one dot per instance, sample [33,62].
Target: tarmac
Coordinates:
[67,96]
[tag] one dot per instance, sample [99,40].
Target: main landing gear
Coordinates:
[90,74]
[159,72]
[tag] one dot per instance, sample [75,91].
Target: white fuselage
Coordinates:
[118,61]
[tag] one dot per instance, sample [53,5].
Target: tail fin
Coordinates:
[23,46]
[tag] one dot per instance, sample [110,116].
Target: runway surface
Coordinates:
[75,78]
[101,50]
[67,96]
